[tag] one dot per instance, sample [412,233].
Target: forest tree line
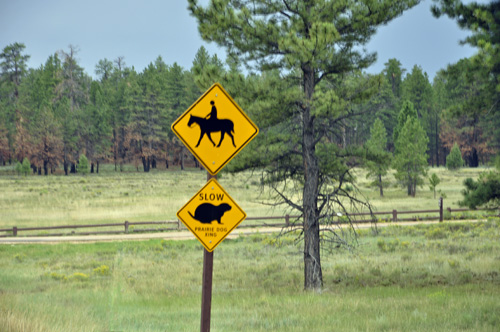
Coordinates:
[53,114]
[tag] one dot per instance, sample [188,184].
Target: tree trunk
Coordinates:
[381,188]
[182,159]
[313,275]
[437,141]
[146,164]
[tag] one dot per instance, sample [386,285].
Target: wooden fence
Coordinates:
[176,225]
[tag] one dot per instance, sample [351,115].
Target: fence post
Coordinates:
[126,227]
[287,220]
[14,231]
[440,209]
[394,215]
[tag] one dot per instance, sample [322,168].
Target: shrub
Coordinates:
[436,233]
[434,180]
[23,168]
[78,276]
[454,159]
[389,246]
[102,270]
[83,165]
[19,168]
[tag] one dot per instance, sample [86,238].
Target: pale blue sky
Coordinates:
[142,30]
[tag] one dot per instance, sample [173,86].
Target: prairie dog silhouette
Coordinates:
[206,212]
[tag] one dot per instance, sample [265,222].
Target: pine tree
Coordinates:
[379,158]
[4,145]
[407,111]
[394,71]
[308,44]
[454,159]
[25,167]
[434,180]
[410,159]
[83,165]
[14,68]
[418,90]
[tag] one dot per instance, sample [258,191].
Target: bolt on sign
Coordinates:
[215,128]
[211,214]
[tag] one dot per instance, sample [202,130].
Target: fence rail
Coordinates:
[176,225]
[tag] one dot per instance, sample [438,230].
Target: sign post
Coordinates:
[214,129]
[206,290]
[206,284]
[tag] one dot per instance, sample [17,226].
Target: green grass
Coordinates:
[395,196]
[113,197]
[441,277]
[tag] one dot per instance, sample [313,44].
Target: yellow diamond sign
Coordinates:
[211,215]
[215,129]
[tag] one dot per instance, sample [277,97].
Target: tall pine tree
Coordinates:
[309,43]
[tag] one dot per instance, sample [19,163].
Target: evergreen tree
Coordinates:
[485,191]
[434,181]
[454,159]
[410,159]
[37,97]
[25,168]
[96,132]
[83,165]
[14,68]
[126,103]
[418,90]
[379,158]
[4,145]
[465,120]
[482,19]
[480,102]
[147,133]
[394,74]
[72,96]
[407,111]
[312,45]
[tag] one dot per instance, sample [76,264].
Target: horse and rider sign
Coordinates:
[214,129]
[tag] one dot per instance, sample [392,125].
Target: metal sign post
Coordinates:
[206,290]
[214,129]
[206,285]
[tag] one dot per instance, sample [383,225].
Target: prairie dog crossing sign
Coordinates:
[211,214]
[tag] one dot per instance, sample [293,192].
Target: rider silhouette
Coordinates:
[212,116]
[211,124]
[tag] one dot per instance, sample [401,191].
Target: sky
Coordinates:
[142,30]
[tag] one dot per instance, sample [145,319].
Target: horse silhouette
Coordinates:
[208,126]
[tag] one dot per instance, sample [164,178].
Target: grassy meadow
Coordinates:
[440,277]
[112,197]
